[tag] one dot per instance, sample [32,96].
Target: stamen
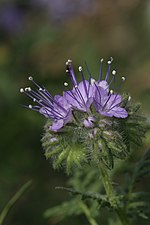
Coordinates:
[65,84]
[83,80]
[92,81]
[111,92]
[129,98]
[27,89]
[21,90]
[88,71]
[69,61]
[30,106]
[113,78]
[123,78]
[108,71]
[80,68]
[100,72]
[70,71]
[114,72]
[30,78]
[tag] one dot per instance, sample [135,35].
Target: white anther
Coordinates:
[65,84]
[69,61]
[111,92]
[123,78]
[30,106]
[114,72]
[30,78]
[102,60]
[111,59]
[76,86]
[21,90]
[40,89]
[27,89]
[92,81]
[80,68]
[34,99]
[129,98]
[67,71]
[109,62]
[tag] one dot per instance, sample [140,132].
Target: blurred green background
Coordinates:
[36,38]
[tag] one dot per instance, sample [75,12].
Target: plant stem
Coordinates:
[112,195]
[13,200]
[87,214]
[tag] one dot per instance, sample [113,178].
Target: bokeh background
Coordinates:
[36,38]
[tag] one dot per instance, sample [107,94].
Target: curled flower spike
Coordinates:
[56,108]
[80,129]
[81,96]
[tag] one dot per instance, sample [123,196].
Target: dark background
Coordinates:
[36,38]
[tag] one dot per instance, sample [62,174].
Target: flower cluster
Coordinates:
[90,122]
[84,96]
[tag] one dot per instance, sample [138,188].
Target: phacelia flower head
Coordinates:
[91,122]
[56,108]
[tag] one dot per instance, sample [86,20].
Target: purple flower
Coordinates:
[106,102]
[56,108]
[81,96]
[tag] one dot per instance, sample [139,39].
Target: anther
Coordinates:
[21,90]
[30,106]
[67,71]
[123,78]
[27,89]
[114,72]
[102,60]
[69,61]
[80,68]
[109,62]
[40,89]
[111,92]
[65,84]
[92,81]
[30,78]
[34,100]
[129,98]
[111,59]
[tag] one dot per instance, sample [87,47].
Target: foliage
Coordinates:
[134,204]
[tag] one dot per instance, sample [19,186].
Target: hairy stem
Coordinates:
[112,195]
[87,213]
